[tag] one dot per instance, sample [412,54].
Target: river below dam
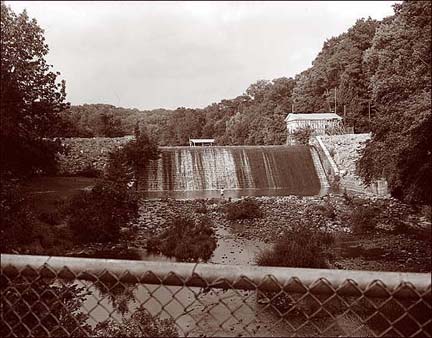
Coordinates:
[197,311]
[192,305]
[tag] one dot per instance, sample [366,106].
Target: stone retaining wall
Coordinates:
[339,154]
[85,154]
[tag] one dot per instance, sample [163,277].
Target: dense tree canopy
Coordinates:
[399,62]
[339,69]
[31,97]
[90,120]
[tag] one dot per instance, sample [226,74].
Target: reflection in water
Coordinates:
[196,312]
[119,295]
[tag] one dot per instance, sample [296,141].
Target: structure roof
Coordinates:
[312,116]
[202,140]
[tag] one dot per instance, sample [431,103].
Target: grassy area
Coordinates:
[45,193]
[40,228]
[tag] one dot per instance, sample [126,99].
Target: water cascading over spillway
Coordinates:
[233,168]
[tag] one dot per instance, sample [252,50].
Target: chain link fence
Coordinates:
[65,296]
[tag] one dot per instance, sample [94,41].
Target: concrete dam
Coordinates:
[240,170]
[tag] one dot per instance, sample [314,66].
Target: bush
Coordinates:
[243,209]
[140,324]
[54,240]
[335,183]
[97,215]
[201,207]
[16,221]
[303,135]
[327,210]
[51,218]
[40,305]
[186,240]
[364,219]
[302,248]
[89,171]
[348,199]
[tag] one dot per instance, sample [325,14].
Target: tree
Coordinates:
[107,207]
[399,62]
[31,97]
[138,153]
[111,126]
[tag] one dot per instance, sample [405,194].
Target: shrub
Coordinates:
[302,248]
[185,239]
[243,209]
[364,219]
[335,183]
[303,135]
[332,152]
[201,207]
[140,324]
[348,199]
[16,221]
[89,171]
[401,228]
[327,210]
[38,306]
[51,218]
[97,215]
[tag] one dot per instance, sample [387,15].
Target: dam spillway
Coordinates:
[265,170]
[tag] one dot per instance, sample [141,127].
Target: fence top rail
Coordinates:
[246,277]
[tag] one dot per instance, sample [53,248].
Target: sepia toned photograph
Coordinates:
[216,169]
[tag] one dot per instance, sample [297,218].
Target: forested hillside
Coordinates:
[91,120]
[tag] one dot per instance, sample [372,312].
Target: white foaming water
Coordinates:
[246,170]
[197,169]
[219,169]
[269,171]
[185,180]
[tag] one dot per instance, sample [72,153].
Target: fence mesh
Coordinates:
[89,297]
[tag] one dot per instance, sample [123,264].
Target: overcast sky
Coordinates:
[170,54]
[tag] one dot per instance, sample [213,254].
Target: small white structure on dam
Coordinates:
[321,123]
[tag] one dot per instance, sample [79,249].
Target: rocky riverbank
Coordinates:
[398,242]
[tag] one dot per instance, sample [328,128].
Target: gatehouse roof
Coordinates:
[202,140]
[312,116]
